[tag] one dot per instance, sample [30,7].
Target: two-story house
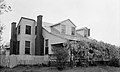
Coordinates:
[32,37]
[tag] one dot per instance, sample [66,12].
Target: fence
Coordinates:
[14,60]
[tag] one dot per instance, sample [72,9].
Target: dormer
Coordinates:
[65,27]
[85,32]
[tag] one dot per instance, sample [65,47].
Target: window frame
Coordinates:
[63,29]
[19,27]
[46,46]
[27,47]
[28,31]
[72,30]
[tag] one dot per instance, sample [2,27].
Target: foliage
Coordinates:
[93,50]
[2,50]
[61,53]
[86,50]
[4,7]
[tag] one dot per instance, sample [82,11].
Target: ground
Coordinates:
[53,69]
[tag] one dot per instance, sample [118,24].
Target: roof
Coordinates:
[25,18]
[46,26]
[55,34]
[62,22]
[82,28]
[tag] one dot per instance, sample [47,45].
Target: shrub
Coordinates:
[61,55]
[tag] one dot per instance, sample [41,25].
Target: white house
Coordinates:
[37,37]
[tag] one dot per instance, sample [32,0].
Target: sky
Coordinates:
[101,16]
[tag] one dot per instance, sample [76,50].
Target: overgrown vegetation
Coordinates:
[61,54]
[86,53]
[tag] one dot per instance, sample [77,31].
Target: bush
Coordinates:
[114,62]
[61,54]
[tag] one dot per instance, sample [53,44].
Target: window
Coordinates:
[18,46]
[63,30]
[46,46]
[28,30]
[35,30]
[27,47]
[18,29]
[88,32]
[73,31]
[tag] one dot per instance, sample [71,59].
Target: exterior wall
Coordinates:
[53,39]
[81,32]
[69,25]
[22,37]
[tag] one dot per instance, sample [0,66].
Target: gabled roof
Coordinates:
[25,18]
[82,28]
[63,22]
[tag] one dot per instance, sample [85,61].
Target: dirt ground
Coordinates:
[53,69]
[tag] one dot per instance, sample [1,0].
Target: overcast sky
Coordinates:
[101,16]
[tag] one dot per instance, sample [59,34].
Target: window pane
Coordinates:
[46,43]
[27,50]
[73,31]
[27,44]
[28,29]
[46,50]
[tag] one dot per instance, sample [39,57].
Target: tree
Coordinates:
[4,7]
[2,50]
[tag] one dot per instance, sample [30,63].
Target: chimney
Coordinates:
[13,40]
[39,41]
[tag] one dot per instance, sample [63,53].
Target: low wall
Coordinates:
[14,60]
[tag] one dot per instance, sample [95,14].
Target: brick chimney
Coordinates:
[39,41]
[13,40]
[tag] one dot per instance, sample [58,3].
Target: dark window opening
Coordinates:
[35,30]
[18,46]
[46,50]
[46,46]
[73,31]
[18,29]
[28,30]
[88,32]
[27,47]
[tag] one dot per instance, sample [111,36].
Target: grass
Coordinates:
[53,69]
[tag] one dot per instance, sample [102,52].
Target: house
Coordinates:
[32,37]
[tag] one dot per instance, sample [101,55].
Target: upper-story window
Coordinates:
[72,30]
[27,47]
[35,30]
[63,30]
[28,30]
[18,29]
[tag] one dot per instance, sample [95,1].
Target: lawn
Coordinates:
[53,69]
